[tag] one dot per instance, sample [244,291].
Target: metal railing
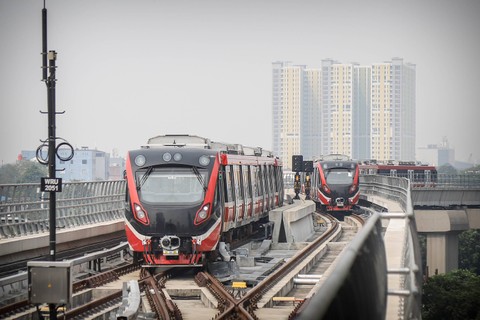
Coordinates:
[24,209]
[398,190]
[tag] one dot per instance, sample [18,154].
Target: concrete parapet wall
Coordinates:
[445,197]
[293,223]
[67,238]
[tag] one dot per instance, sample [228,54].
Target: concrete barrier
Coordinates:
[293,223]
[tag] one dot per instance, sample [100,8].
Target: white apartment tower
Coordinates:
[392,111]
[337,108]
[287,102]
[365,112]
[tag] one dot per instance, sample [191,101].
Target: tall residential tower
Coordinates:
[365,112]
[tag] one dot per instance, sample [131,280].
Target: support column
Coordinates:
[442,228]
[442,252]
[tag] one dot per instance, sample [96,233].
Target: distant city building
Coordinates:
[437,155]
[86,165]
[365,112]
[287,110]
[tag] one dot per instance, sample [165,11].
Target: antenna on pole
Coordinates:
[44,42]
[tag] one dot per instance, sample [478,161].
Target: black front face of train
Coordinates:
[340,181]
[171,186]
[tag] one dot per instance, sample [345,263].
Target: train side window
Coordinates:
[393,172]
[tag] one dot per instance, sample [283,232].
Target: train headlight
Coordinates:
[204,161]
[202,214]
[167,157]
[177,157]
[140,160]
[141,214]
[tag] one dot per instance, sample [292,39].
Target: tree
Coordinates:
[22,172]
[469,251]
[454,295]
[8,174]
[447,169]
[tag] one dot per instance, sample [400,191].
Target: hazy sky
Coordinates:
[130,70]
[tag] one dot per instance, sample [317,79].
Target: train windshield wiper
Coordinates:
[144,178]
[200,178]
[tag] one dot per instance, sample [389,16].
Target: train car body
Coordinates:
[335,183]
[186,194]
[418,174]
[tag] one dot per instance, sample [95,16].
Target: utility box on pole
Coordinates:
[50,282]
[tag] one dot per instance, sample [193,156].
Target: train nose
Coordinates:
[340,202]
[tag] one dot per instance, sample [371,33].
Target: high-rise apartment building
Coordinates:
[365,112]
[337,109]
[287,110]
[393,111]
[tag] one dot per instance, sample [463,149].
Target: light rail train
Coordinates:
[188,198]
[335,184]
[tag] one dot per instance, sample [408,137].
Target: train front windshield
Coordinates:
[171,185]
[339,176]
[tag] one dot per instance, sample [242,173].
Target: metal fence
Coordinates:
[398,190]
[24,209]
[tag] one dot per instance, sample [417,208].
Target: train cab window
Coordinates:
[393,172]
[339,176]
[171,185]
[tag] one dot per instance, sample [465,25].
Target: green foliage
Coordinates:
[447,169]
[469,251]
[22,172]
[455,295]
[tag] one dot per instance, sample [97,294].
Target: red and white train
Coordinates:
[419,174]
[186,195]
[335,183]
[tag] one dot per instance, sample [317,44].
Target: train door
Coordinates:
[266,185]
[261,185]
[313,192]
[271,185]
[255,187]
[247,185]
[428,177]
[239,205]
[411,175]
[280,189]
[229,198]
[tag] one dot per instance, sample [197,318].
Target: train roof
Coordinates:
[193,141]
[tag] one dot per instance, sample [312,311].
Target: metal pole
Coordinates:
[51,147]
[50,83]
[52,55]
